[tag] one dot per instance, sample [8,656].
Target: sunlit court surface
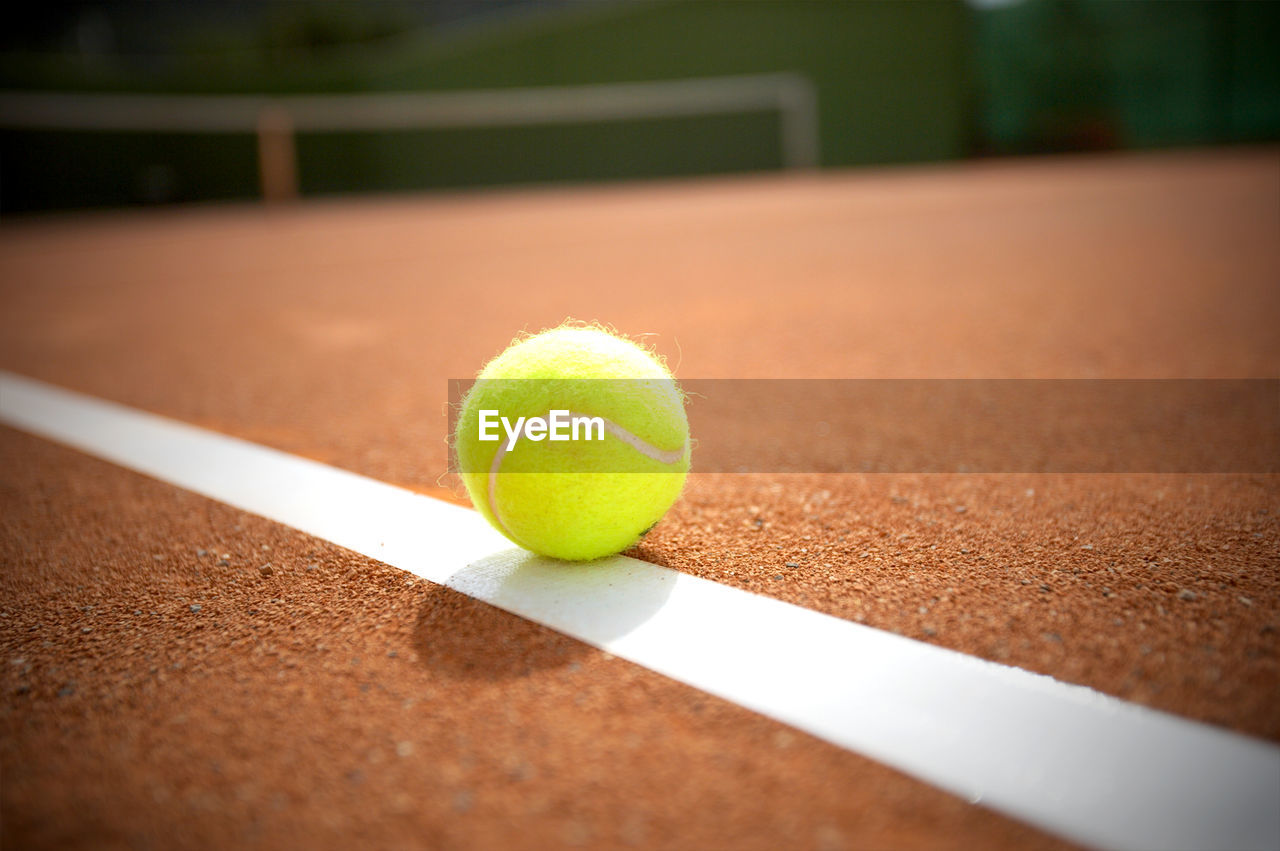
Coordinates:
[245,601]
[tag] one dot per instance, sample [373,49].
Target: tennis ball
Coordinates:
[595,489]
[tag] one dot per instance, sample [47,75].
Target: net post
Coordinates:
[277,155]
[798,105]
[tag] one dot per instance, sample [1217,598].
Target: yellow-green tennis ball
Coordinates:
[581,498]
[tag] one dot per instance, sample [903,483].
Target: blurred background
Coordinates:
[136,102]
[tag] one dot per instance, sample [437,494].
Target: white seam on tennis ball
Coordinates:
[662,456]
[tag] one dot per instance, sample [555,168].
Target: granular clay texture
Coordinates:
[179,674]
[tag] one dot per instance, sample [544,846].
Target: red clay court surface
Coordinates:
[331,701]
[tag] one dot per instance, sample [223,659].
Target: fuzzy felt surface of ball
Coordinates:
[592,442]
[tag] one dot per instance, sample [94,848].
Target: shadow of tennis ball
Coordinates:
[533,600]
[458,636]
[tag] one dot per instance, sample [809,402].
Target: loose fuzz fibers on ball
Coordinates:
[577,499]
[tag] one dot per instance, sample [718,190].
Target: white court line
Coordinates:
[1065,758]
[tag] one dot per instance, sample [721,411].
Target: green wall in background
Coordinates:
[897,82]
[890,77]
[1059,75]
